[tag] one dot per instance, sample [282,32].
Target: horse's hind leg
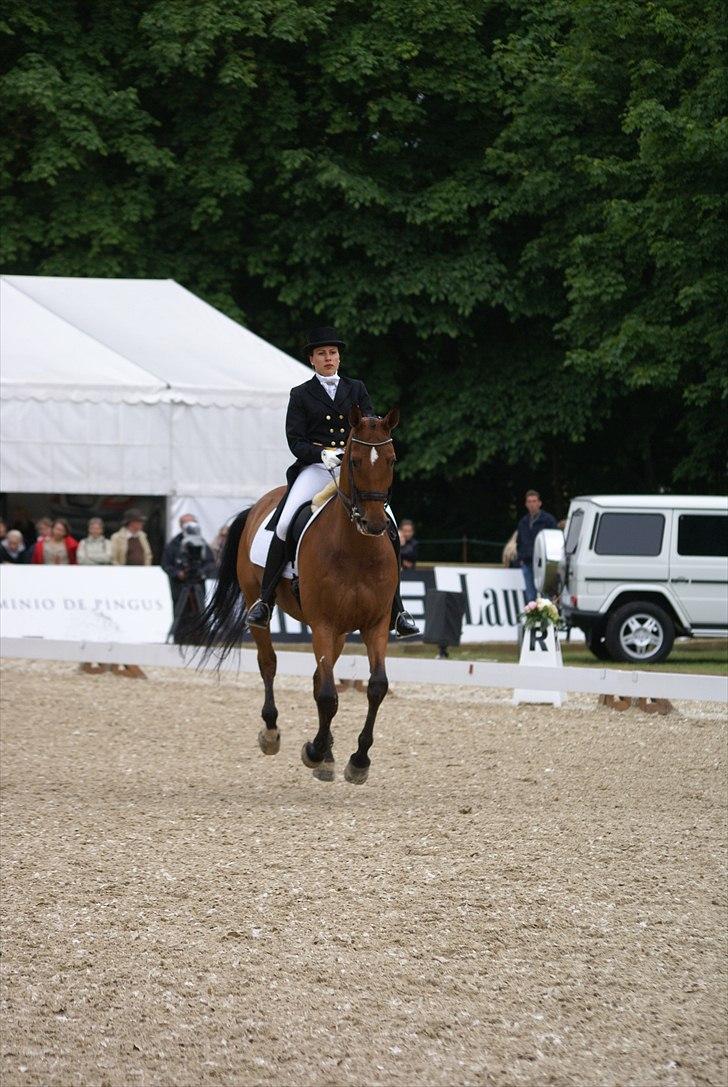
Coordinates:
[269,738]
[357,768]
[318,754]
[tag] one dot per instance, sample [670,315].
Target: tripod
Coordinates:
[187,610]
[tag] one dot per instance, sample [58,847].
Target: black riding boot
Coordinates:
[401,621]
[275,564]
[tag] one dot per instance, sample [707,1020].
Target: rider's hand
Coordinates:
[331,458]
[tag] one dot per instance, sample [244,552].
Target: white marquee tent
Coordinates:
[136,386]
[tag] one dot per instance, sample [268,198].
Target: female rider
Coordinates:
[317,429]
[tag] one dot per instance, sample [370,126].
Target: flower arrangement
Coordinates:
[541,613]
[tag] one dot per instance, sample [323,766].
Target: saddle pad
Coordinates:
[263,537]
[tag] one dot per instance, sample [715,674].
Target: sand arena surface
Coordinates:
[517,895]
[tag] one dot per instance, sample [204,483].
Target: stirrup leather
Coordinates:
[259,614]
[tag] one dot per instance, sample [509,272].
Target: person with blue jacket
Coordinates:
[534,521]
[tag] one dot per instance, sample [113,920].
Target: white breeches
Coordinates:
[312,479]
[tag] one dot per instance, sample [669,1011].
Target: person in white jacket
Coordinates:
[95,549]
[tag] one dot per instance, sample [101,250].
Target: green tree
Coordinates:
[515,209]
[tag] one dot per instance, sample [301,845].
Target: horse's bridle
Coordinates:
[357,496]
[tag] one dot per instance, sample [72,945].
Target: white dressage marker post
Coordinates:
[540,648]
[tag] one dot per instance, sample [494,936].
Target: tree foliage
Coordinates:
[516,209]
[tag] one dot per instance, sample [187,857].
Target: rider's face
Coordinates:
[325,360]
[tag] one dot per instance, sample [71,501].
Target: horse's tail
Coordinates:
[221,624]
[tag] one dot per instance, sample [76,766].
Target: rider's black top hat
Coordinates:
[322,337]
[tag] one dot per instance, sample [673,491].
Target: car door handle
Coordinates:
[675,580]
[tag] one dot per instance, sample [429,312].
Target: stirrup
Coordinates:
[259,615]
[405,626]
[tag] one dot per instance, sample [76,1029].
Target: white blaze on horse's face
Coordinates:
[374,456]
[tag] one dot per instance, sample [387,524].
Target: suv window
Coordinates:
[574,531]
[702,534]
[630,534]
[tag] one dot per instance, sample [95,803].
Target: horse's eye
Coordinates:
[356,461]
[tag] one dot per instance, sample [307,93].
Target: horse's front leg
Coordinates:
[318,754]
[357,768]
[269,738]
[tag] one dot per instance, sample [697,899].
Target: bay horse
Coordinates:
[347,577]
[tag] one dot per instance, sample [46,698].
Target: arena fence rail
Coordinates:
[595,680]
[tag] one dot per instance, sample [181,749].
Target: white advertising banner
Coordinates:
[133,603]
[494,598]
[85,603]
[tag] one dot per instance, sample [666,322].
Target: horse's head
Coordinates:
[368,469]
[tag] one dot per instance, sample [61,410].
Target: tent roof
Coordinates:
[145,336]
[42,352]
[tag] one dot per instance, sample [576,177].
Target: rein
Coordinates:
[352,504]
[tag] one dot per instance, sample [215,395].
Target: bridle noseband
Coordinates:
[357,496]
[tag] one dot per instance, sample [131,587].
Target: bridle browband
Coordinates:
[357,496]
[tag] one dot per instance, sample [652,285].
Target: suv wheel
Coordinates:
[640,633]
[595,642]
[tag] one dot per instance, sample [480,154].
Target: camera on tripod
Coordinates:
[192,552]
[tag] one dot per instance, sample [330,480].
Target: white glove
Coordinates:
[331,458]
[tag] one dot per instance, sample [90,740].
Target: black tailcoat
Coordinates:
[314,421]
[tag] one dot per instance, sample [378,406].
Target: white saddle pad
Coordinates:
[263,537]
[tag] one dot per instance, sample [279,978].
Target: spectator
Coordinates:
[95,549]
[187,561]
[175,560]
[407,545]
[218,544]
[534,521]
[13,549]
[43,528]
[130,546]
[3,530]
[57,549]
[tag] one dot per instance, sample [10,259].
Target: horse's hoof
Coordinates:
[357,775]
[308,759]
[324,771]
[269,741]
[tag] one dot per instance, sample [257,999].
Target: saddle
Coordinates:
[296,529]
[303,517]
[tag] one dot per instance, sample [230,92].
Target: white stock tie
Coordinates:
[330,384]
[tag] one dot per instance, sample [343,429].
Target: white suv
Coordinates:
[639,570]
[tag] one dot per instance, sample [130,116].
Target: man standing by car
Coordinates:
[534,521]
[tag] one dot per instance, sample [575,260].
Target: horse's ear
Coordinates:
[391,419]
[355,416]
